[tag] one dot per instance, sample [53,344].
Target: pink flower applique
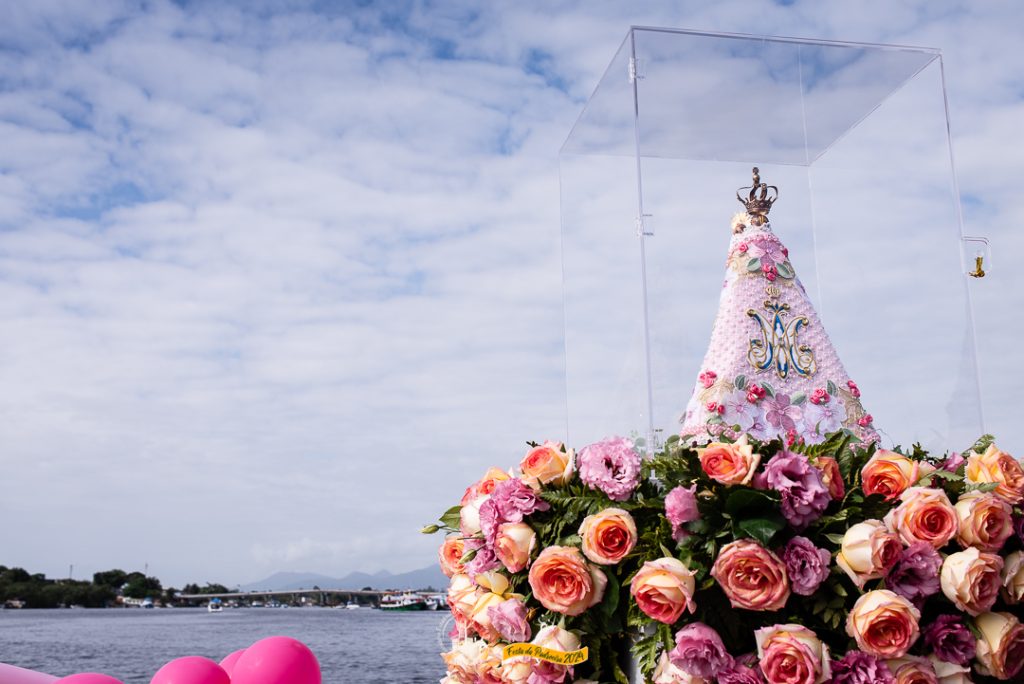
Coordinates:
[707,378]
[865,420]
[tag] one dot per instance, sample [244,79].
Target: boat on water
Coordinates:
[407,601]
[147,602]
[215,605]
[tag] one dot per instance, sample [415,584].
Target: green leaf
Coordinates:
[831,388]
[611,595]
[754,265]
[761,529]
[797,398]
[785,270]
[746,503]
[452,517]
[836,539]
[740,382]
[769,390]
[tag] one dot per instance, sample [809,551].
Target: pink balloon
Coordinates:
[277,660]
[191,670]
[88,678]
[228,664]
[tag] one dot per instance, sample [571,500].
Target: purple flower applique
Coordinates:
[780,413]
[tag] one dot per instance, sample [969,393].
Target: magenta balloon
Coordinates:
[277,660]
[191,670]
[88,678]
[228,664]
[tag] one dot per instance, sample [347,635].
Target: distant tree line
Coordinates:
[36,591]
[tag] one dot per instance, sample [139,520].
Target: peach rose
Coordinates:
[462,595]
[912,670]
[494,590]
[985,521]
[608,536]
[667,673]
[663,589]
[868,551]
[557,639]
[883,623]
[485,485]
[999,467]
[924,514]
[792,654]
[971,579]
[1001,645]
[889,474]
[517,670]
[1013,577]
[831,476]
[514,544]
[464,659]
[450,555]
[751,576]
[950,673]
[563,581]
[729,464]
[547,464]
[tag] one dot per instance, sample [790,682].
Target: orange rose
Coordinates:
[999,467]
[563,581]
[514,544]
[450,555]
[867,552]
[830,474]
[985,521]
[889,474]
[729,464]
[751,576]
[547,464]
[971,579]
[663,588]
[924,514]
[1001,646]
[883,623]
[485,485]
[608,536]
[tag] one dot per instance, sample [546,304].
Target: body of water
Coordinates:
[354,646]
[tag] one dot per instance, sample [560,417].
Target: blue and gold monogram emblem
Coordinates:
[778,346]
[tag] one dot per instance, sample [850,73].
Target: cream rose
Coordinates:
[464,659]
[730,464]
[469,516]
[557,639]
[912,670]
[999,467]
[563,581]
[792,654]
[985,521]
[1013,577]
[869,549]
[450,555]
[883,623]
[667,673]
[547,464]
[889,474]
[608,536]
[924,514]
[971,579]
[1001,645]
[517,670]
[950,673]
[513,545]
[751,576]
[663,589]
[462,595]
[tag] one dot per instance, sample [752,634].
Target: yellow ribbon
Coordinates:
[548,654]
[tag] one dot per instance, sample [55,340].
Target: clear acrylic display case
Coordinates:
[856,138]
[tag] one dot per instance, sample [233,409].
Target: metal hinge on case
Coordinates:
[643,226]
[977,256]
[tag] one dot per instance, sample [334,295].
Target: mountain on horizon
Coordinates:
[423,578]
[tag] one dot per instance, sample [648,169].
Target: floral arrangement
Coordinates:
[739,562]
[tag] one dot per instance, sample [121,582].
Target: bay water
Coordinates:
[353,646]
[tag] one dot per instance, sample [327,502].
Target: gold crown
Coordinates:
[758,201]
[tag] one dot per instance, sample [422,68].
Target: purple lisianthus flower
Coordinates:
[739,674]
[681,508]
[490,520]
[612,466]
[806,565]
[484,560]
[515,499]
[804,494]
[780,413]
[699,651]
[857,667]
[953,462]
[509,618]
[950,640]
[915,576]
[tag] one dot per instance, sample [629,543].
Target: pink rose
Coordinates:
[608,536]
[971,579]
[663,589]
[868,551]
[485,485]
[924,514]
[514,544]
[729,464]
[912,670]
[884,623]
[751,576]
[1001,645]
[547,464]
[681,508]
[792,654]
[985,521]
[563,581]
[999,467]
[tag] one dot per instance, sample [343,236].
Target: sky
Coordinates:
[279,279]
